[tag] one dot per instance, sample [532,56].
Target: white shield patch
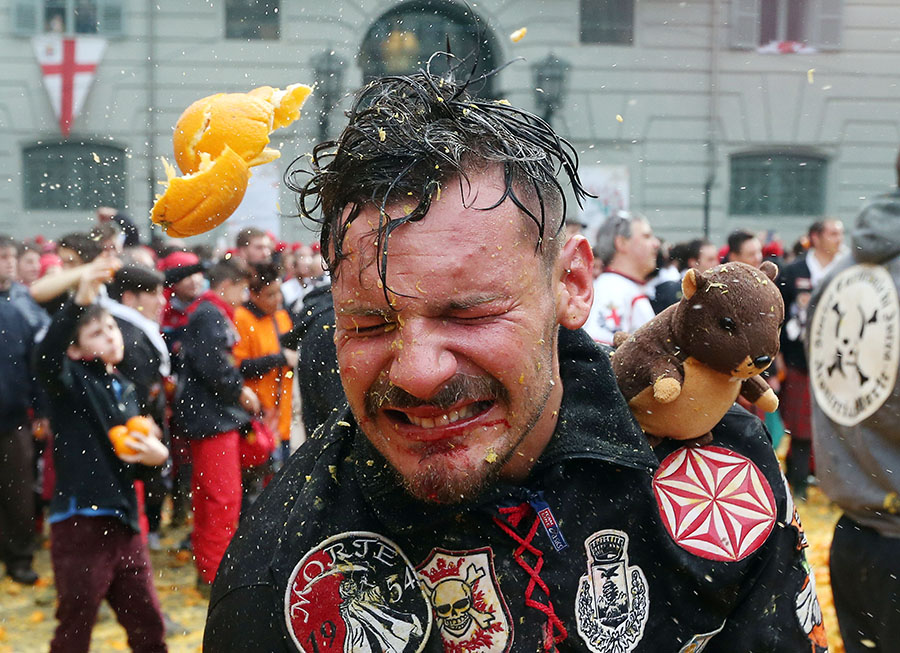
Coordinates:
[612,603]
[854,350]
[468,607]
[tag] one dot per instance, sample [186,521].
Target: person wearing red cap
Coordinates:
[184,282]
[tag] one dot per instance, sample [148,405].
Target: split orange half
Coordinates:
[216,141]
[201,201]
[242,121]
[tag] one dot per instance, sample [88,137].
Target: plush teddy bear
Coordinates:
[682,371]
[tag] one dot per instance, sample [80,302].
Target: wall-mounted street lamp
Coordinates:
[329,71]
[550,77]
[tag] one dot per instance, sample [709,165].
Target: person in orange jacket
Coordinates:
[266,366]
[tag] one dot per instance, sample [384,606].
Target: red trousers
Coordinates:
[96,558]
[216,481]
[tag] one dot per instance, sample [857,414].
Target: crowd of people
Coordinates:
[99,328]
[471,411]
[637,277]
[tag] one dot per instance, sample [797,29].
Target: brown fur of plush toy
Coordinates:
[684,369]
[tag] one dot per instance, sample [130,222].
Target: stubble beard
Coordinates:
[439,479]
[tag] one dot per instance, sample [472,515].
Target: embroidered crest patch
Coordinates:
[612,603]
[469,609]
[714,502]
[358,592]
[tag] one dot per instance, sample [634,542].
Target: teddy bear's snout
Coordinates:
[762,361]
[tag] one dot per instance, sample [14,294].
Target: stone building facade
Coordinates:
[707,115]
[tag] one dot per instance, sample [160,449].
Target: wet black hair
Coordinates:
[408,135]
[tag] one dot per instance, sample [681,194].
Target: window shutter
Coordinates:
[744,28]
[110,18]
[829,24]
[25,18]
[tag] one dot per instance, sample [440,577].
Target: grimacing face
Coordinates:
[456,382]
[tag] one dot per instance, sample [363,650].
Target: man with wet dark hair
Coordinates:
[486,488]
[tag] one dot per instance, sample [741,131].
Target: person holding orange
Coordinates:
[95,542]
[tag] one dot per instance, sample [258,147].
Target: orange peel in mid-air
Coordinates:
[203,200]
[233,126]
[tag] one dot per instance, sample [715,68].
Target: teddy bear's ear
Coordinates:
[689,284]
[769,269]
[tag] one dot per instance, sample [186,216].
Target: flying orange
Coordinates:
[216,141]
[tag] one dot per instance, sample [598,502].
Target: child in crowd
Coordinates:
[136,301]
[96,547]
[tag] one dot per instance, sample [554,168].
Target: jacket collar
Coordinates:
[255,310]
[215,300]
[594,423]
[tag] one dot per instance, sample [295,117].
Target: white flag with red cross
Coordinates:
[68,65]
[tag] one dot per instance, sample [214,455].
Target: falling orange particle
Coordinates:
[518,35]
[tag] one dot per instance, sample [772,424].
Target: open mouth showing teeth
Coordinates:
[446,419]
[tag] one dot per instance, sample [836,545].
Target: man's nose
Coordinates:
[422,363]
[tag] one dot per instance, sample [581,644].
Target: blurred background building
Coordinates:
[706,115]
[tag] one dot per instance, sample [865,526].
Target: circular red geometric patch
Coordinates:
[714,502]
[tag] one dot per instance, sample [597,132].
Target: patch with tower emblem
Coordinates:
[612,603]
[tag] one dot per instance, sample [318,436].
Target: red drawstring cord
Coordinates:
[513,516]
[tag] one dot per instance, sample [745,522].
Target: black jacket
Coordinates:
[209,389]
[796,290]
[83,407]
[17,390]
[320,386]
[140,365]
[336,554]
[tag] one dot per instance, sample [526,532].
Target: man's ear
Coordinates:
[574,283]
[73,352]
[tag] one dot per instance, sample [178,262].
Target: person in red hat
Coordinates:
[184,282]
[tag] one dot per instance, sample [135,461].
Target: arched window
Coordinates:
[68,175]
[777,184]
[402,39]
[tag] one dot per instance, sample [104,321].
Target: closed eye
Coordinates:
[372,329]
